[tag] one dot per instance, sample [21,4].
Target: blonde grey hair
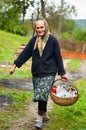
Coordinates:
[45,23]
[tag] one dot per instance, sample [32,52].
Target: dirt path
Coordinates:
[27,122]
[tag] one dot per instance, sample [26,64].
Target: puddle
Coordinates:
[26,84]
[3,65]
[5,100]
[19,84]
[73,75]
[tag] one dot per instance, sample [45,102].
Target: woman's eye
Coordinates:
[39,27]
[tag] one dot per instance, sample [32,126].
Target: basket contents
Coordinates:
[64,91]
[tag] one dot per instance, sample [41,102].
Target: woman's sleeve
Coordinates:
[24,55]
[58,58]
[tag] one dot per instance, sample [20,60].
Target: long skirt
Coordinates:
[42,86]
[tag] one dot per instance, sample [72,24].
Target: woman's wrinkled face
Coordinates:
[40,28]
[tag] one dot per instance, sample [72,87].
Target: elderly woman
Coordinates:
[46,63]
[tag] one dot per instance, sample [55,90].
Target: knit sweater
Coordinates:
[49,63]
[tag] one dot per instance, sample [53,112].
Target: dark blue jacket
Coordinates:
[48,64]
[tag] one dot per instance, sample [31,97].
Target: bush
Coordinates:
[79,35]
[65,36]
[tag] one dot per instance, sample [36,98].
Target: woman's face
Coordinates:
[40,28]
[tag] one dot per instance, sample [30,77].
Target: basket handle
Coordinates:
[69,82]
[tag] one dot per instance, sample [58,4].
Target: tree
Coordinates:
[43,8]
[23,6]
[9,15]
[52,17]
[79,35]
[12,13]
[64,10]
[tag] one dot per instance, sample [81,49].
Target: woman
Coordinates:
[46,63]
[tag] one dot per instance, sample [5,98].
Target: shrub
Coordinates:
[80,35]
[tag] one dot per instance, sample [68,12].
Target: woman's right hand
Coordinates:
[12,69]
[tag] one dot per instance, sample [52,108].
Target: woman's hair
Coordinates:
[45,23]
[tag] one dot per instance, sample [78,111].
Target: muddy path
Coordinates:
[27,122]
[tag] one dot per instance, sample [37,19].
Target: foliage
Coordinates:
[53,18]
[63,12]
[27,26]
[52,21]
[65,36]
[11,12]
[68,25]
[12,15]
[79,35]
[72,33]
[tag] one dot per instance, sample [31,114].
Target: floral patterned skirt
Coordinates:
[42,86]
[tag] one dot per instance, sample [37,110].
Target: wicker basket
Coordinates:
[64,101]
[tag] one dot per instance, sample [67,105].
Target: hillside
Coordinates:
[81,23]
[9,43]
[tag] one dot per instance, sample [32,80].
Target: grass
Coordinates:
[74,64]
[20,73]
[9,43]
[17,109]
[19,97]
[70,117]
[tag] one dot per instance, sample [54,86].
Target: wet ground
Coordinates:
[25,84]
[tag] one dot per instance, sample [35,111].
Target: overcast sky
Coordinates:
[80,6]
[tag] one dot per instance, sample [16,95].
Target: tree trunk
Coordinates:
[43,8]
[32,25]
[60,18]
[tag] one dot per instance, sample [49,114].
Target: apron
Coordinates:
[42,87]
